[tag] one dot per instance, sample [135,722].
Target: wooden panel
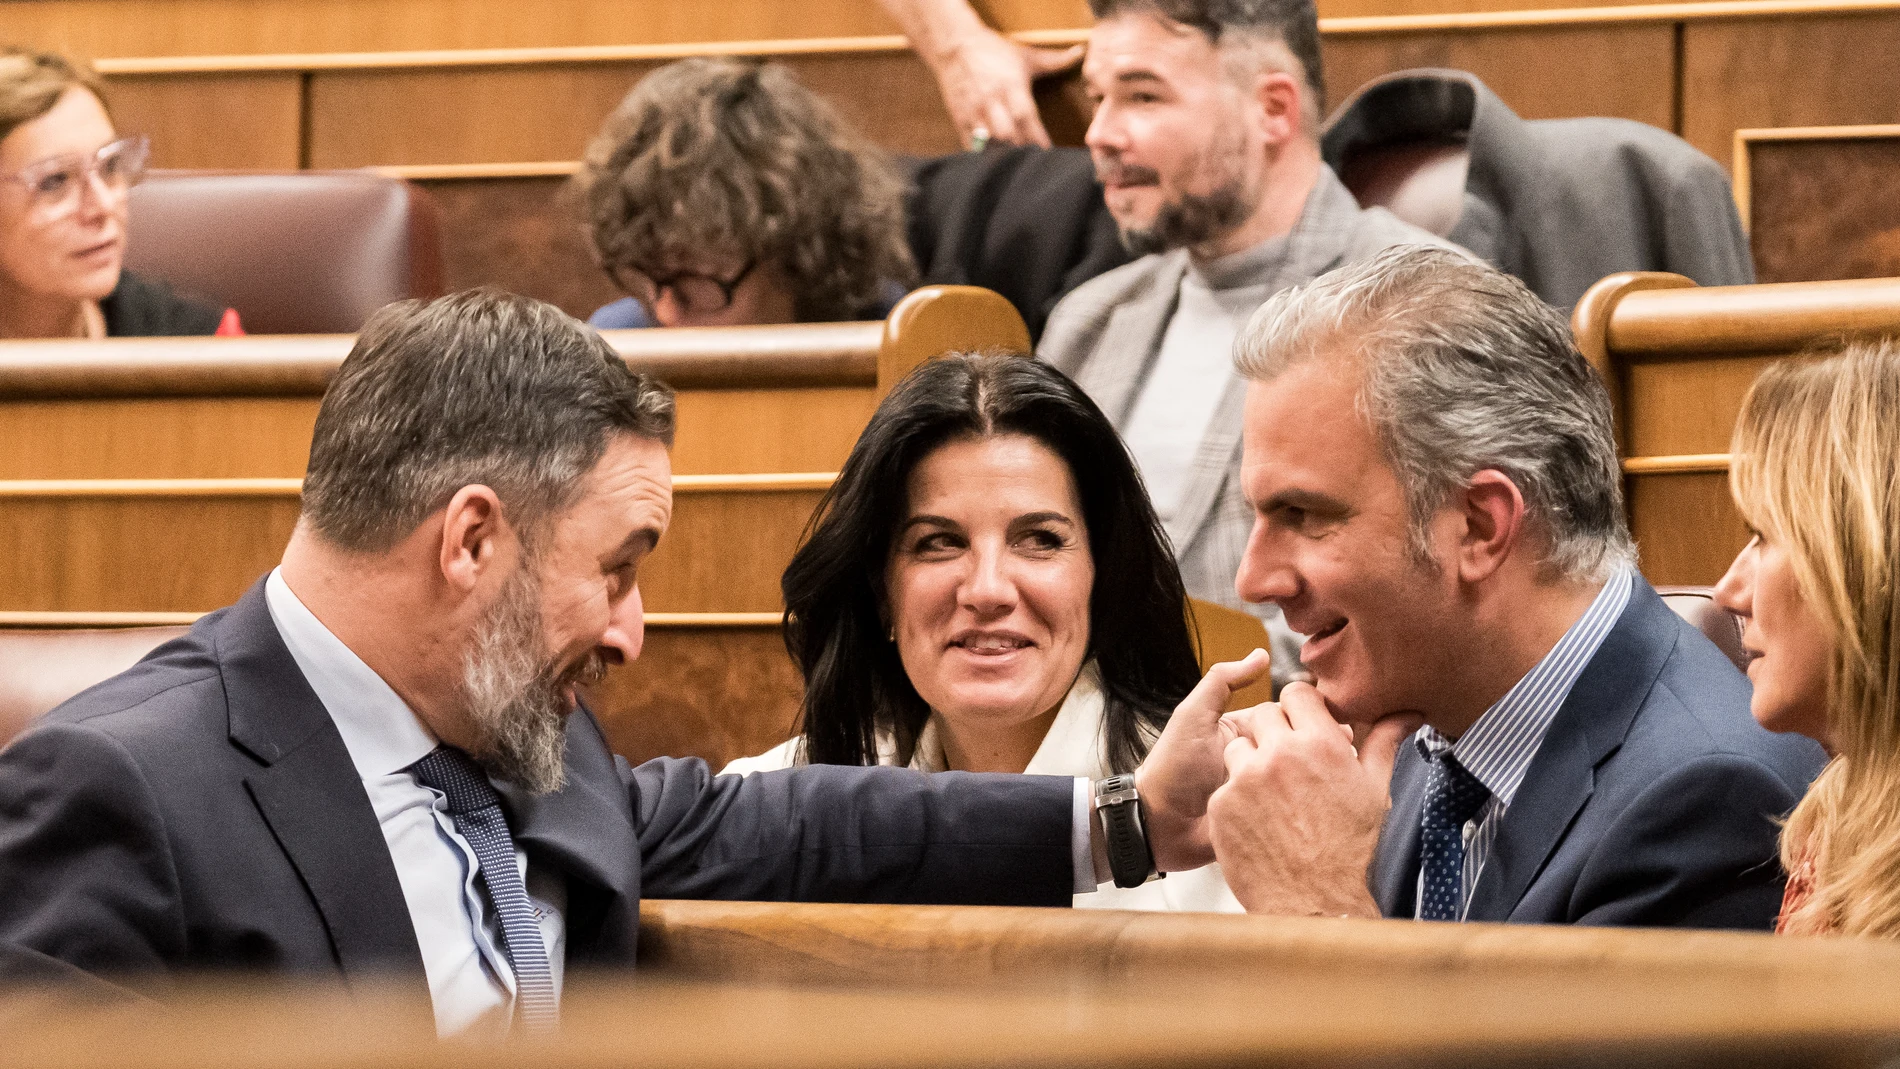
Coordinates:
[1806,71]
[824,986]
[214,121]
[466,115]
[1823,207]
[1541,72]
[239,437]
[132,550]
[735,431]
[432,115]
[716,693]
[1686,527]
[521,234]
[156,438]
[154,554]
[226,27]
[726,551]
[1685,406]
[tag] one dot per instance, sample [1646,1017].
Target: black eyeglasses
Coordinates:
[696,294]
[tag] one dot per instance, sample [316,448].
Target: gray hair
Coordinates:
[1281,33]
[1463,369]
[476,387]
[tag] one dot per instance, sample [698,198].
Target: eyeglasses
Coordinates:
[696,294]
[55,187]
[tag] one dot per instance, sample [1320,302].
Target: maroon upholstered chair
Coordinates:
[303,252]
[40,669]
[1696,604]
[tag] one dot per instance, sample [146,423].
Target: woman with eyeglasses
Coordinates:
[64,178]
[722,192]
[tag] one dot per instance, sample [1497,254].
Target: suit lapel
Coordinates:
[309,794]
[1131,340]
[1394,873]
[585,830]
[1587,729]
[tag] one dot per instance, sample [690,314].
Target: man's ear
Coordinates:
[474,534]
[1281,98]
[1493,510]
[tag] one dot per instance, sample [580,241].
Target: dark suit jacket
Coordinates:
[1029,223]
[1653,800]
[200,811]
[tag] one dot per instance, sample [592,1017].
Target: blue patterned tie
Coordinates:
[1452,797]
[478,816]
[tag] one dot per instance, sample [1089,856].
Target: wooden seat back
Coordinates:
[1677,359]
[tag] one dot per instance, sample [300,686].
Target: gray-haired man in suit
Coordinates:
[1439,505]
[1206,138]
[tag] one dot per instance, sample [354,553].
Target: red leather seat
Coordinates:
[305,252]
[1696,604]
[40,669]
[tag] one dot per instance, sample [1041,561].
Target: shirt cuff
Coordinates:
[1081,852]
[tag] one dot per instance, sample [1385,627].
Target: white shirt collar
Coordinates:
[1073,746]
[379,729]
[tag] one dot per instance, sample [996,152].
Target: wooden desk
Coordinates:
[1049,988]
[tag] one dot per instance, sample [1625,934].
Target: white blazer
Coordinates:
[1076,745]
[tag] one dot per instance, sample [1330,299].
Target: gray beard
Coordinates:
[515,704]
[1189,221]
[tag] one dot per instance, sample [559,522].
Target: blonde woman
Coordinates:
[1816,473]
[65,175]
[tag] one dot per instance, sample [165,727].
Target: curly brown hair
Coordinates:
[735,156]
[31,83]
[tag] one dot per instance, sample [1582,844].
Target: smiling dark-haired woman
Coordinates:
[65,173]
[988,590]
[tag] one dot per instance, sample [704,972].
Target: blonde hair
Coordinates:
[1816,468]
[31,84]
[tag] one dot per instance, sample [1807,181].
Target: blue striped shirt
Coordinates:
[1500,745]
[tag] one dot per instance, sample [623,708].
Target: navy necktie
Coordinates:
[1452,797]
[478,816]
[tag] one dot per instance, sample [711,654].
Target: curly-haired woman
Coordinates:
[723,192]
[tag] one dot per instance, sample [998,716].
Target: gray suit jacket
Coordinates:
[1560,203]
[1106,336]
[1654,799]
[200,811]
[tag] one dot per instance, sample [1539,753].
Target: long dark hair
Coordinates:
[834,587]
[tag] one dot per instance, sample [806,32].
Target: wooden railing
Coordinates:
[1678,359]
[831,987]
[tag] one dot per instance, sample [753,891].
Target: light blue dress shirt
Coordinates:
[470,982]
[1500,745]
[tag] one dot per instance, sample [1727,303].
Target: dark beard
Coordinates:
[516,702]
[1189,221]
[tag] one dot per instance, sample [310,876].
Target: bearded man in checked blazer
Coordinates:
[1205,138]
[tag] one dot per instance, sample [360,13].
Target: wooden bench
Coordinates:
[1818,201]
[194,408]
[1678,359]
[832,987]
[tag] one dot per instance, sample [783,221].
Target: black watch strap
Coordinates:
[1118,807]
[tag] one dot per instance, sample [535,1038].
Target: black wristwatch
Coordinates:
[1118,807]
